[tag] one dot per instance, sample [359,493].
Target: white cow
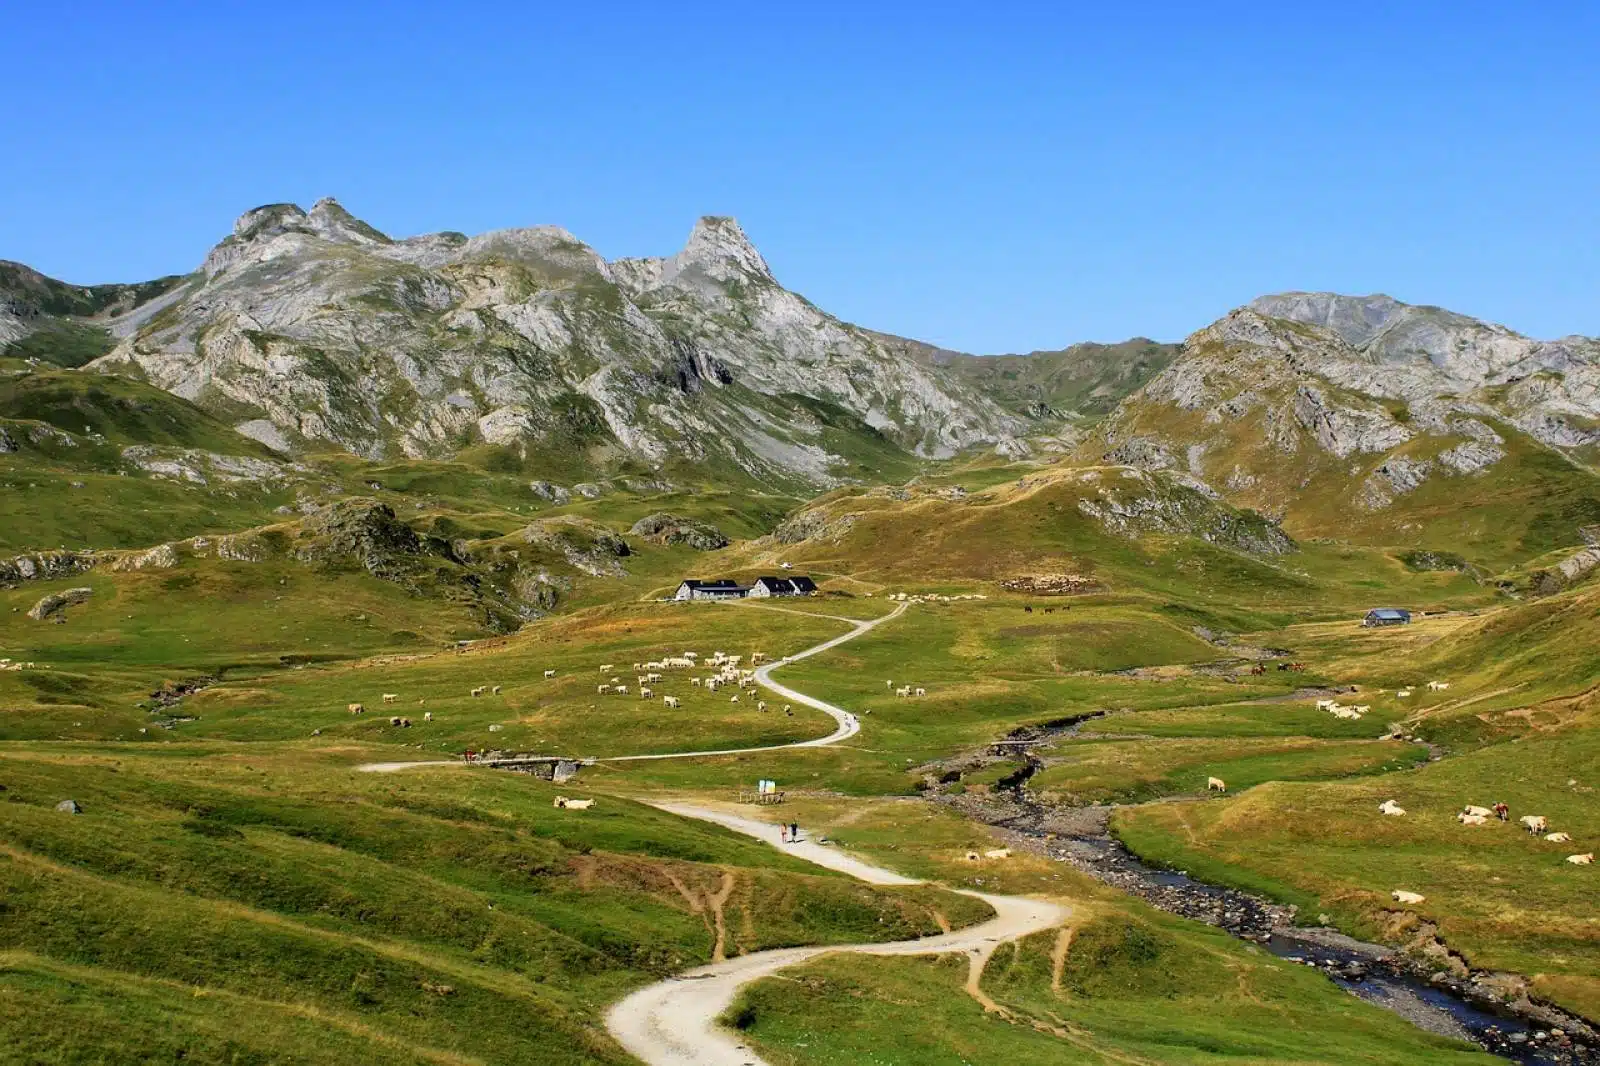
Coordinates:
[888,684]
[1534,823]
[1558,838]
[1581,860]
[904,690]
[645,694]
[1390,807]
[389,697]
[427,716]
[735,698]
[602,689]
[549,673]
[761,705]
[1325,705]
[606,668]
[1216,784]
[1482,812]
[1472,819]
[1402,896]
[921,692]
[670,701]
[1438,686]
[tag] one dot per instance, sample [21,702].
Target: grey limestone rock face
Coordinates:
[311,329]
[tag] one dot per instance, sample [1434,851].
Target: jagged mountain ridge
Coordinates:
[314,330]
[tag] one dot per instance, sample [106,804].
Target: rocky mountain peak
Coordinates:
[329,219]
[257,232]
[719,252]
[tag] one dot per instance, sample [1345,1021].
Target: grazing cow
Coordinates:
[1482,812]
[1216,784]
[787,709]
[1581,860]
[888,684]
[1402,896]
[478,691]
[1472,819]
[602,689]
[495,690]
[670,701]
[606,668]
[734,698]
[394,721]
[1534,823]
[427,716]
[645,694]
[997,853]
[1403,693]
[904,690]
[1326,705]
[389,697]
[696,682]
[761,705]
[356,708]
[314,732]
[1438,686]
[549,673]
[621,690]
[1558,838]
[921,692]
[1390,807]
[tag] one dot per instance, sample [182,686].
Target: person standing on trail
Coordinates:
[783,833]
[794,832]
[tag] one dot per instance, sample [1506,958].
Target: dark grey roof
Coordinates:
[717,583]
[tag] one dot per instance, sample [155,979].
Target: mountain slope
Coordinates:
[66,325]
[1378,422]
[1084,380]
[312,330]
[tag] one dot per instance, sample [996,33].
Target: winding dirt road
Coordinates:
[674,1022]
[846,723]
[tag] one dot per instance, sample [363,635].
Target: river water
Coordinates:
[1442,1004]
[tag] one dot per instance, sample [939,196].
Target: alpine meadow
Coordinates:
[471,649]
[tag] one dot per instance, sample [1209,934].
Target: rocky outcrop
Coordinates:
[202,468]
[161,557]
[56,602]
[41,566]
[1144,504]
[582,544]
[813,525]
[666,529]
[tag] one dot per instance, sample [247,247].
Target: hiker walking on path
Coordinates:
[794,832]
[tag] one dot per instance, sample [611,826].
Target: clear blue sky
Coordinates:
[991,177]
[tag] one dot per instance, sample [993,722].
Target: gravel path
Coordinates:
[674,1022]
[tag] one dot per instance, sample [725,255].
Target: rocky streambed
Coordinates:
[1483,1008]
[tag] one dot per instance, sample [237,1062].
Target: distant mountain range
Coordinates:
[313,331]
